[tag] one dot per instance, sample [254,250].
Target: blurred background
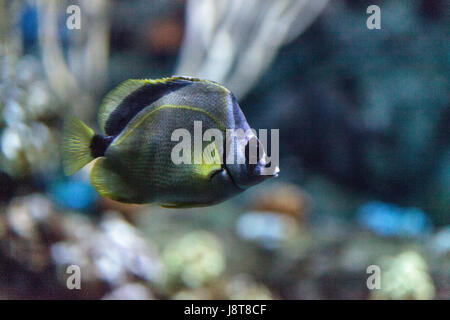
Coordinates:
[364,121]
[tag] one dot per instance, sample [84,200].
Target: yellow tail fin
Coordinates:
[75,145]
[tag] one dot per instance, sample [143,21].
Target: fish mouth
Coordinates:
[276,171]
[273,173]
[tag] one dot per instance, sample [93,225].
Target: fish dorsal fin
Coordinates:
[115,97]
[124,102]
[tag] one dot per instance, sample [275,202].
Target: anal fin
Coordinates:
[109,184]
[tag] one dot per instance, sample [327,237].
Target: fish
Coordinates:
[133,154]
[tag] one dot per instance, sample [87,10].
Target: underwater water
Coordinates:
[364,148]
